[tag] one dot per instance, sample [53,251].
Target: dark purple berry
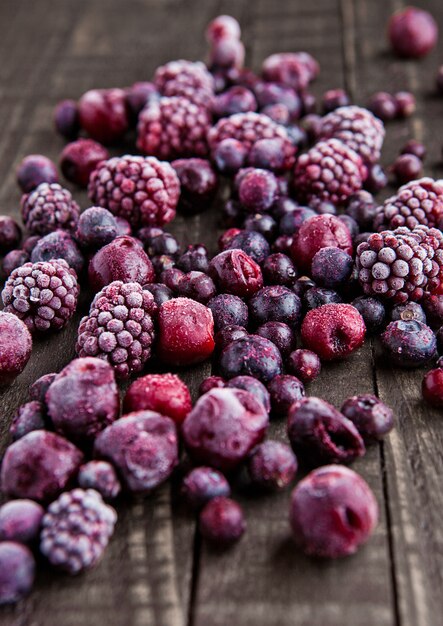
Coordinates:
[283,244]
[17,571]
[417,148]
[263,224]
[302,285]
[35,169]
[202,484]
[408,311]
[236,99]
[96,227]
[13,260]
[278,269]
[269,93]
[10,234]
[252,243]
[221,521]
[15,349]
[198,286]
[331,267]
[291,221]
[38,389]
[160,292]
[253,356]
[362,208]
[230,156]
[272,465]
[409,343]
[66,119]
[194,259]
[304,364]
[284,390]
[198,184]
[376,179]
[280,334]
[281,206]
[370,415]
[227,335]
[407,167]
[58,245]
[29,417]
[317,297]
[268,154]
[20,521]
[254,386]
[433,308]
[372,311]
[333,99]
[405,102]
[258,190]
[138,96]
[275,303]
[228,310]
[101,476]
[383,105]
[80,158]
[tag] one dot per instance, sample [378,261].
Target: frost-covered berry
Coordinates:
[252,356]
[165,393]
[76,530]
[293,69]
[233,271]
[221,521]
[304,364]
[143,190]
[103,114]
[372,417]
[66,119]
[101,476]
[272,465]
[20,521]
[409,343]
[257,190]
[96,227]
[187,79]
[12,260]
[35,169]
[317,233]
[17,571]
[15,347]
[43,295]
[412,32]
[38,389]
[198,184]
[58,245]
[119,328]
[29,417]
[202,484]
[49,207]
[80,158]
[142,446]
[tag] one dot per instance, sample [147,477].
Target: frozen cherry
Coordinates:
[321,434]
[332,512]
[372,417]
[223,427]
[272,465]
[202,484]
[103,114]
[80,158]
[165,393]
[15,347]
[333,331]
[304,364]
[409,343]
[432,387]
[221,521]
[185,332]
[252,355]
[233,271]
[412,32]
[407,167]
[285,390]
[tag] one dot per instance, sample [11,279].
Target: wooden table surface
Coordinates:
[156,571]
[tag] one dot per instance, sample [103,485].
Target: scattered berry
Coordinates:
[272,465]
[331,267]
[316,233]
[432,387]
[370,415]
[221,521]
[251,355]
[198,184]
[304,364]
[280,334]
[66,119]
[163,393]
[103,114]
[228,310]
[202,484]
[15,347]
[407,168]
[30,416]
[409,343]
[412,32]
[34,170]
[20,521]
[96,227]
[284,390]
[233,271]
[80,158]
[17,570]
[58,245]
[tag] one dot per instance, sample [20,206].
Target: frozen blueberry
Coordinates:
[304,364]
[228,310]
[280,334]
[202,484]
[29,417]
[321,434]
[12,260]
[17,571]
[38,389]
[284,390]
[361,206]
[230,156]
[252,355]
[318,296]
[197,286]
[282,206]
[198,184]
[262,223]
[229,334]
[291,221]
[96,227]
[35,169]
[258,190]
[66,119]
[268,154]
[20,521]
[408,311]
[221,521]
[372,311]
[409,343]
[10,234]
[331,267]
[254,386]
[278,269]
[251,242]
[160,292]
[272,465]
[194,259]
[332,512]
[101,476]
[275,303]
[58,245]
[165,393]
[370,415]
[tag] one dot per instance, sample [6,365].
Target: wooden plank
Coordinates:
[264,580]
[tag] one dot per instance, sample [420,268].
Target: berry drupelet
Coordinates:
[15,347]
[142,190]
[49,207]
[80,158]
[119,328]
[201,485]
[43,295]
[76,530]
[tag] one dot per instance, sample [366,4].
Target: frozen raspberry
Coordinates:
[222,27]
[101,476]
[76,530]
[409,343]
[356,127]
[401,265]
[316,233]
[233,271]
[43,295]
[251,355]
[331,267]
[137,97]
[202,484]
[293,69]
[186,332]
[172,128]
[272,465]
[370,415]
[103,115]
[96,227]
[236,99]
[284,390]
[12,260]
[29,417]
[432,387]
[58,245]
[143,190]
[304,364]
[372,311]
[39,466]
[38,389]
[83,399]
[34,170]
[142,446]
[258,190]
[20,521]
[332,512]
[247,128]
[280,334]
[412,32]
[198,184]
[330,171]
[119,328]
[223,427]
[333,331]
[123,259]
[49,207]
[221,521]
[418,202]
[252,385]
[15,347]
[190,80]
[321,434]
[17,571]
[164,393]
[80,158]
[66,119]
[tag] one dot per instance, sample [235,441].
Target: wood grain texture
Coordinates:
[156,571]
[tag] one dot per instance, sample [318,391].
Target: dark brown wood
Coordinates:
[156,571]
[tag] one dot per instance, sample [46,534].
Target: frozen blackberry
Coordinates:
[119,327]
[401,265]
[142,190]
[188,79]
[247,128]
[43,295]
[49,207]
[417,202]
[76,530]
[358,128]
[172,128]
[329,171]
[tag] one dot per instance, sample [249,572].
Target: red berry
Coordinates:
[164,393]
[304,364]
[432,387]
[103,115]
[319,232]
[222,521]
[412,32]
[80,158]
[233,271]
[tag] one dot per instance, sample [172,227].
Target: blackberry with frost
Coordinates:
[188,79]
[401,265]
[76,530]
[329,171]
[417,202]
[248,128]
[119,327]
[172,128]
[49,207]
[358,128]
[43,295]
[142,190]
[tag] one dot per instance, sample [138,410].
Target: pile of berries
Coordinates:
[308,252]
